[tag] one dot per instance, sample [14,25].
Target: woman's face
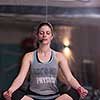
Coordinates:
[45,35]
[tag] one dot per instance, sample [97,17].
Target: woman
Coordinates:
[44,64]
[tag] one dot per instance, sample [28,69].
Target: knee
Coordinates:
[67,97]
[27,98]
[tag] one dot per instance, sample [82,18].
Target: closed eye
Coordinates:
[48,33]
[41,33]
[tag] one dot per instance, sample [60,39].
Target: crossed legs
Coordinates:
[62,97]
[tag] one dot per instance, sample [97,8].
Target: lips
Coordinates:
[45,39]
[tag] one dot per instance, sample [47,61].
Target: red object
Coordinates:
[79,90]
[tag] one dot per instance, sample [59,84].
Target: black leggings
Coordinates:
[19,94]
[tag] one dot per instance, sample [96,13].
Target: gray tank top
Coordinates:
[43,77]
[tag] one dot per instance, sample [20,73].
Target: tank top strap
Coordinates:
[54,56]
[53,52]
[34,56]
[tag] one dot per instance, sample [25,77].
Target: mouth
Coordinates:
[45,39]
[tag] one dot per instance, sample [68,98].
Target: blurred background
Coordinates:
[77,35]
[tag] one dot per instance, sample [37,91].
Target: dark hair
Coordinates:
[43,24]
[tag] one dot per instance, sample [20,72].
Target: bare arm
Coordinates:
[61,77]
[21,76]
[69,78]
[63,64]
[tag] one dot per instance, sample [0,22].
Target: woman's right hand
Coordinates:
[7,95]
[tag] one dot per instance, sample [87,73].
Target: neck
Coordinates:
[44,49]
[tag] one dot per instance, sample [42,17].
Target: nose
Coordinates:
[44,35]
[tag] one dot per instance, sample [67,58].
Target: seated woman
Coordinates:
[44,64]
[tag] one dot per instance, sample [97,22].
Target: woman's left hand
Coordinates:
[83,92]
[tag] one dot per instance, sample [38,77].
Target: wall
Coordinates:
[11,51]
[13,33]
[86,52]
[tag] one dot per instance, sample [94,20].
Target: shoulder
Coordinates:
[28,56]
[59,56]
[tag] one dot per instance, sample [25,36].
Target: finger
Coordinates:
[4,92]
[7,97]
[83,95]
[8,93]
